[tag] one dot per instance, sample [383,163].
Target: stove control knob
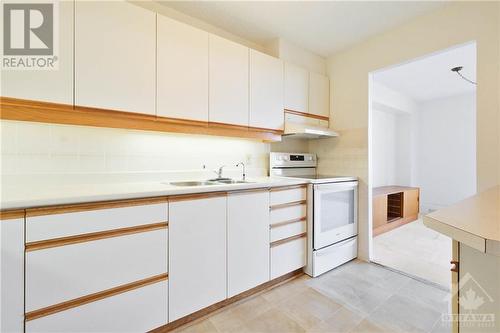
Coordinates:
[310,158]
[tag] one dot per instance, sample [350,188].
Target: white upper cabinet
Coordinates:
[296,88]
[54,86]
[182,72]
[115,43]
[228,82]
[266,91]
[247,241]
[319,95]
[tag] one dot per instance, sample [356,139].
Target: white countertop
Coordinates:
[27,196]
[474,221]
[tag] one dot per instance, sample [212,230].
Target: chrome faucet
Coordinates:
[243,165]
[219,172]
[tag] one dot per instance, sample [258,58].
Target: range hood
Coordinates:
[307,131]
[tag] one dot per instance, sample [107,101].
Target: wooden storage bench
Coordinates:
[394,206]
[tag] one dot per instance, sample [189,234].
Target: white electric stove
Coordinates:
[332,216]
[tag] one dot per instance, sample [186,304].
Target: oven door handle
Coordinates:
[334,247]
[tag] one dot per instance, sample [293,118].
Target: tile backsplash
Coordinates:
[58,150]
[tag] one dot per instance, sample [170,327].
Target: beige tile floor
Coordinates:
[355,297]
[417,250]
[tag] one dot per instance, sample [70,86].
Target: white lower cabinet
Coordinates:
[197,254]
[287,257]
[138,310]
[12,275]
[67,272]
[99,270]
[248,241]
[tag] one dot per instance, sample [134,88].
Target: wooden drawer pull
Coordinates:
[280,224]
[286,188]
[93,297]
[289,239]
[289,204]
[62,241]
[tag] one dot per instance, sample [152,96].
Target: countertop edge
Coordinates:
[36,203]
[474,241]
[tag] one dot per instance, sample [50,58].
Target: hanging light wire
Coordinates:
[457,70]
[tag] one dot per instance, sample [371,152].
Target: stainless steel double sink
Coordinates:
[223,181]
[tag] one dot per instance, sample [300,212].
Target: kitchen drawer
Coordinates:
[288,256]
[137,310]
[282,196]
[279,232]
[288,213]
[41,227]
[63,273]
[334,255]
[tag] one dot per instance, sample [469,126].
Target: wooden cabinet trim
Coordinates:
[309,115]
[98,205]
[288,239]
[12,214]
[285,188]
[93,236]
[251,190]
[196,196]
[72,208]
[45,112]
[280,224]
[289,204]
[94,297]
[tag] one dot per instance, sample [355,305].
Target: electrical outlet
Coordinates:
[248,159]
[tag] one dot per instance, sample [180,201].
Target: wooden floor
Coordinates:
[356,297]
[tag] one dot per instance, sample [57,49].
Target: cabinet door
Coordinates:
[47,85]
[411,203]
[479,290]
[115,56]
[296,88]
[197,255]
[266,91]
[319,95]
[182,71]
[12,275]
[228,83]
[247,241]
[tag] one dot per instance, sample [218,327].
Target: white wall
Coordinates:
[383,148]
[391,148]
[297,55]
[59,152]
[392,136]
[447,151]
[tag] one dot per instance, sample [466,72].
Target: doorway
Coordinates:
[422,157]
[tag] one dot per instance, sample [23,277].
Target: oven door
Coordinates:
[335,212]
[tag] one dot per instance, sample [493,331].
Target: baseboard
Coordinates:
[214,307]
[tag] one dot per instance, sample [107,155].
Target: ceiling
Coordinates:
[323,27]
[430,77]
